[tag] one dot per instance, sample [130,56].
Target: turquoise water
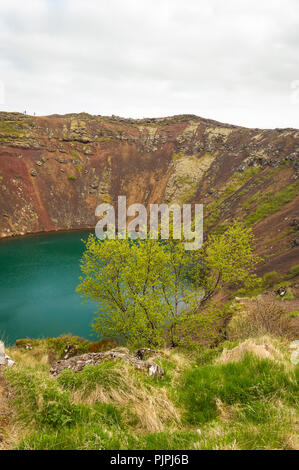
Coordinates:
[38,278]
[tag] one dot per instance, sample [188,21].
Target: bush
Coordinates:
[147,290]
[259,319]
[102,345]
[67,343]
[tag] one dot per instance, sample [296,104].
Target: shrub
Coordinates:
[67,343]
[261,318]
[73,345]
[147,290]
[102,345]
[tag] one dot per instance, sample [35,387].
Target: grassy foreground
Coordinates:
[234,396]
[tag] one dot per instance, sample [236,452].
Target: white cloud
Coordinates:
[232,61]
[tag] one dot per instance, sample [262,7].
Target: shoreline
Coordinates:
[44,232]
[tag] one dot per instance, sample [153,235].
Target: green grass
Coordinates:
[293,272]
[79,167]
[293,314]
[214,209]
[90,377]
[239,179]
[190,193]
[255,198]
[288,296]
[273,203]
[244,383]
[247,404]
[14,129]
[238,433]
[76,154]
[95,437]
[270,278]
[177,156]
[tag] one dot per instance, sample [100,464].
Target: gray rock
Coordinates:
[8,361]
[78,363]
[2,354]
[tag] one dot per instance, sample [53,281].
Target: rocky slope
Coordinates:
[55,170]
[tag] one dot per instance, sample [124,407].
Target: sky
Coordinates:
[235,61]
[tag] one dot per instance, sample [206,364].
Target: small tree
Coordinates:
[147,290]
[229,259]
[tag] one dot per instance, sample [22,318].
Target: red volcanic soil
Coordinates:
[55,170]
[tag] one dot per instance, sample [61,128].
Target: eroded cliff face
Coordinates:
[55,170]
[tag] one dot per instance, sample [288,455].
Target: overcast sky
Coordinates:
[235,61]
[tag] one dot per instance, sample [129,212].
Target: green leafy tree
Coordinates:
[148,291]
[229,260]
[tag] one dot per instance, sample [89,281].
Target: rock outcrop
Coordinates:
[78,363]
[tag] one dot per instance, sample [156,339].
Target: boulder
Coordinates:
[295,352]
[78,363]
[8,361]
[2,354]
[295,223]
[5,360]
[281,291]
